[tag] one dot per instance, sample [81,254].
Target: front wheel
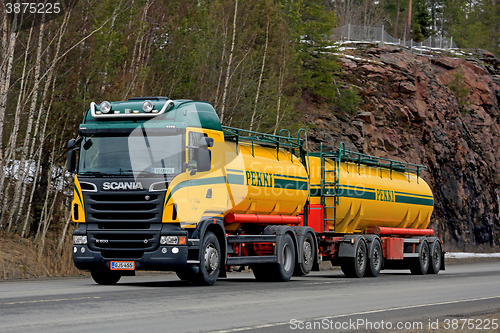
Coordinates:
[210,262]
[105,277]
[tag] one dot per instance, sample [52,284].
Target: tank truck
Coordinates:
[161,185]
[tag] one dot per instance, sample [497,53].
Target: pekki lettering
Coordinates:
[261,179]
[385,195]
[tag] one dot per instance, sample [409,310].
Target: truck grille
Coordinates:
[123,225]
[123,207]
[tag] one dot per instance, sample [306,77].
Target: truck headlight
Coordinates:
[172,240]
[79,240]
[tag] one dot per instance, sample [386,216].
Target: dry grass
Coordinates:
[20,258]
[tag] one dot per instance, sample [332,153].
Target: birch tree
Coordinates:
[230,62]
[5,77]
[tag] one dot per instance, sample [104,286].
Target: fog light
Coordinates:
[75,250]
[79,239]
[82,250]
[164,250]
[175,250]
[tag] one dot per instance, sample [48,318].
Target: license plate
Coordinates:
[123,265]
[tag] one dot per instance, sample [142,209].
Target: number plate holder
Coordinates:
[122,265]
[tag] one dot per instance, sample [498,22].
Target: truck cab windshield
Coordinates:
[131,155]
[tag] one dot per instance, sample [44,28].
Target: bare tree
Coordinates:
[281,79]
[228,73]
[5,76]
[261,75]
[11,146]
[23,166]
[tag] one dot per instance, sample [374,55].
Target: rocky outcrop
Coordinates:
[439,111]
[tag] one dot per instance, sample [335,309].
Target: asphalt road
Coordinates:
[237,304]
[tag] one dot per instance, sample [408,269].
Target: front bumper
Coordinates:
[164,258]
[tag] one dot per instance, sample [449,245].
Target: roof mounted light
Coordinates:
[132,113]
[105,107]
[147,106]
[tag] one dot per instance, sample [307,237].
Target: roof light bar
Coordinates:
[135,113]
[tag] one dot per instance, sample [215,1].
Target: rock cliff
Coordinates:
[441,111]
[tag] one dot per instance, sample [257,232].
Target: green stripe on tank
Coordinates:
[358,188]
[414,194]
[358,195]
[414,201]
[293,177]
[290,184]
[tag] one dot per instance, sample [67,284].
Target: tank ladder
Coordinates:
[329,188]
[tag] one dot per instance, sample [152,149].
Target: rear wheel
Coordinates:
[420,265]
[375,261]
[436,257]
[105,277]
[279,272]
[306,265]
[284,270]
[356,267]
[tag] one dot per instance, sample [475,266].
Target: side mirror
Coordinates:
[71,163]
[72,143]
[203,159]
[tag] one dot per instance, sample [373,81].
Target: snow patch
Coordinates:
[465,255]
[347,56]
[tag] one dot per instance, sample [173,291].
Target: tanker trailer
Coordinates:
[161,185]
[381,207]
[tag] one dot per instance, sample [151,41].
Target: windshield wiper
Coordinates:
[96,173]
[140,173]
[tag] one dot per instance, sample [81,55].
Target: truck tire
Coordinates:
[436,257]
[355,267]
[308,251]
[210,262]
[284,270]
[375,261]
[420,265]
[105,277]
[279,272]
